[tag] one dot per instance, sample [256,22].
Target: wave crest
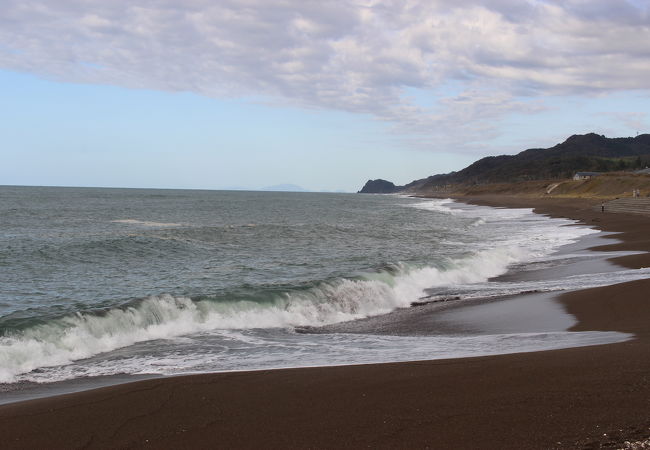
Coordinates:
[82,335]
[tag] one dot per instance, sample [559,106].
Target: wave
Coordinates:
[147,223]
[82,335]
[437,205]
[483,214]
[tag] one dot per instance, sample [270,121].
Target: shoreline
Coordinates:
[556,398]
[446,319]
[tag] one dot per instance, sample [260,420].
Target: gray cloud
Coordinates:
[356,56]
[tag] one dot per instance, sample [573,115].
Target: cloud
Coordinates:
[632,120]
[356,56]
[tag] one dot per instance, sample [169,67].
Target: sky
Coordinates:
[243,94]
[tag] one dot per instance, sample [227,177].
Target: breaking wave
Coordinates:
[83,335]
[437,205]
[146,223]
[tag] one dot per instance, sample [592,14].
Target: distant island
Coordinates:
[579,153]
[285,188]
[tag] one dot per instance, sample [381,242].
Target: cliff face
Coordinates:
[579,153]
[379,186]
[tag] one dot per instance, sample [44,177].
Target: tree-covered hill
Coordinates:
[579,153]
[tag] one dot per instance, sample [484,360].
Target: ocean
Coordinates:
[98,282]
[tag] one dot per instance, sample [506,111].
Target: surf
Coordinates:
[84,334]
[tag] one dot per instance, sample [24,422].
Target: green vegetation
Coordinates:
[545,171]
[579,153]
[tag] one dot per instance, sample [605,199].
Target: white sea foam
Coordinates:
[264,350]
[451,207]
[83,335]
[437,205]
[146,223]
[477,222]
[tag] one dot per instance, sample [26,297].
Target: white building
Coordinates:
[585,175]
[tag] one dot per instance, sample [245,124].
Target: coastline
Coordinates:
[559,398]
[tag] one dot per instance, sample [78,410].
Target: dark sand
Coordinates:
[586,397]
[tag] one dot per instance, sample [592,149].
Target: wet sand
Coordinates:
[589,397]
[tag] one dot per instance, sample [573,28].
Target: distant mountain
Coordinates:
[579,153]
[285,188]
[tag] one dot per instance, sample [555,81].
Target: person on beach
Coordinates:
[602,207]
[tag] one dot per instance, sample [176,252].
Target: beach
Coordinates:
[587,397]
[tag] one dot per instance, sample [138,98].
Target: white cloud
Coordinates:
[632,120]
[356,56]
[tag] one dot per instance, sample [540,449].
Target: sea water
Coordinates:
[138,281]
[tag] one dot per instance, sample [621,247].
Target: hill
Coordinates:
[579,153]
[605,187]
[379,186]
